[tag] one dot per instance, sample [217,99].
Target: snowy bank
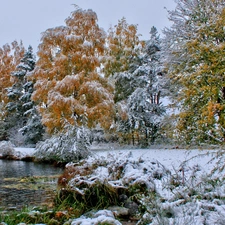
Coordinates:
[167,186]
[25,151]
[8,151]
[152,186]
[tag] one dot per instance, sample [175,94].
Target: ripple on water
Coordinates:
[27,184]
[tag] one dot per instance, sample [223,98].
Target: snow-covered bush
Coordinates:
[6,149]
[72,146]
[115,180]
[185,194]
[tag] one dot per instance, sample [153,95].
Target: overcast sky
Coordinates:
[26,19]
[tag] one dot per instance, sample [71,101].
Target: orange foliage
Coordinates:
[123,45]
[10,56]
[67,82]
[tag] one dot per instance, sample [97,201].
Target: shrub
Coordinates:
[72,146]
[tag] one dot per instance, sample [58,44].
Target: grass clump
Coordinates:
[31,216]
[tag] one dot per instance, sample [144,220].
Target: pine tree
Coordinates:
[17,92]
[68,82]
[195,58]
[144,107]
[20,108]
[33,130]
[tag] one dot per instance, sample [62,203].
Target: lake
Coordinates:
[27,184]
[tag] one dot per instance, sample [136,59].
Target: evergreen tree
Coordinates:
[33,130]
[16,92]
[143,86]
[20,108]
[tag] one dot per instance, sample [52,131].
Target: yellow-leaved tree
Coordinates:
[122,57]
[10,56]
[196,62]
[123,47]
[69,88]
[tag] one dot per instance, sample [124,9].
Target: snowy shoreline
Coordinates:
[169,157]
[181,180]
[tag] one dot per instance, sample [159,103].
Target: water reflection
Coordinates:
[21,169]
[13,193]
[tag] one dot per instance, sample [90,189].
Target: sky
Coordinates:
[26,19]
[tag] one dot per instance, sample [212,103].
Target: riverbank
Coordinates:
[142,186]
[24,184]
[10,152]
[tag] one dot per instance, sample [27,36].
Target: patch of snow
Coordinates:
[100,217]
[182,180]
[170,158]
[25,151]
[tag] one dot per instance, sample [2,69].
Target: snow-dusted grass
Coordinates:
[182,187]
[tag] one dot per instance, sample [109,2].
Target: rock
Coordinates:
[132,207]
[120,212]
[123,198]
[107,213]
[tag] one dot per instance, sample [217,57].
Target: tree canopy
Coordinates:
[68,83]
[116,83]
[195,58]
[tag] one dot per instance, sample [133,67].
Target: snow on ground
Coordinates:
[25,151]
[187,191]
[170,158]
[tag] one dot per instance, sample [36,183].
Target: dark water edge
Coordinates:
[27,184]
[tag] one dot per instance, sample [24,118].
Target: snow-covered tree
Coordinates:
[71,146]
[10,56]
[194,47]
[20,108]
[68,82]
[33,130]
[17,92]
[141,91]
[123,46]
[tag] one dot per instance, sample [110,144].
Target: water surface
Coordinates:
[27,184]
